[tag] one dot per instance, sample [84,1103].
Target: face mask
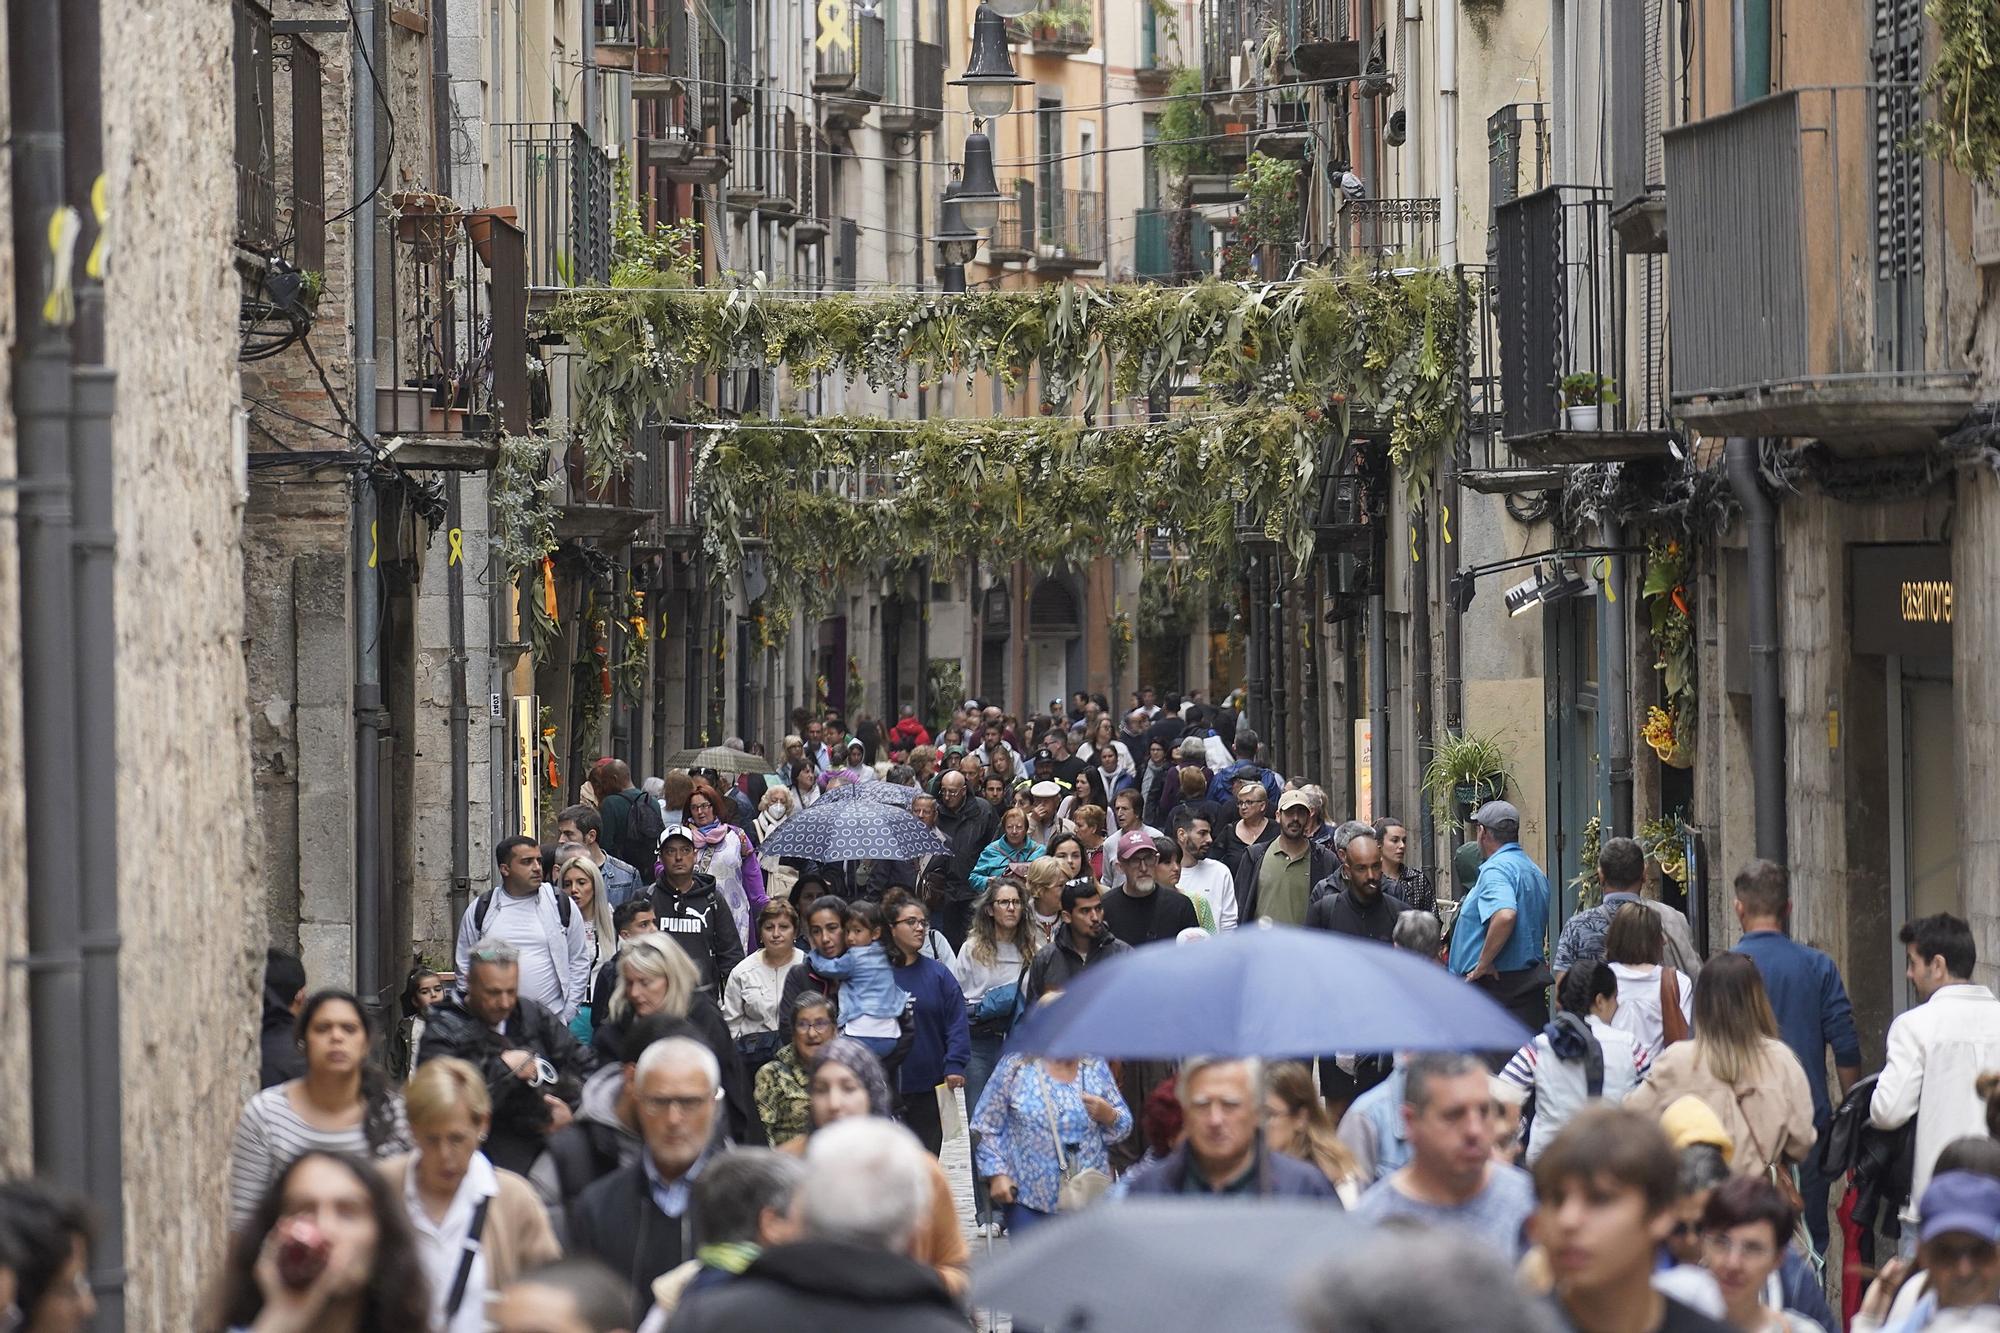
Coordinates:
[1143,884]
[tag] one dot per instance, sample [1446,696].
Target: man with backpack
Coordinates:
[632,819]
[542,925]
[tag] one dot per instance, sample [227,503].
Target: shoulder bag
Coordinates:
[1673,1023]
[1080,1185]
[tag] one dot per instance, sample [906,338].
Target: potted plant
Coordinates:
[1583,395]
[424,221]
[1464,771]
[479,226]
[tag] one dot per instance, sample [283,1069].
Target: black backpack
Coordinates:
[639,842]
[484,902]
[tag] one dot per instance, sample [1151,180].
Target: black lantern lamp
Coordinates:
[956,242]
[989,79]
[979,193]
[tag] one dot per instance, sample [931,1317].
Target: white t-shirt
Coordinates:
[519,921]
[1639,1004]
[1212,880]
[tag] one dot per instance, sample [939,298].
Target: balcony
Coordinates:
[685,132]
[1321,38]
[1387,233]
[1063,36]
[850,65]
[559,183]
[914,100]
[1069,230]
[1559,290]
[1283,124]
[458,374]
[1232,32]
[256,128]
[1153,250]
[817,206]
[1517,159]
[1156,64]
[1012,238]
[765,172]
[1800,302]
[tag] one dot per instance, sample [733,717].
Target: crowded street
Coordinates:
[942,666]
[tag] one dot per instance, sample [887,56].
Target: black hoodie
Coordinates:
[284,978]
[827,1286]
[700,921]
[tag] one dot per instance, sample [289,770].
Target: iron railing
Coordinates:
[560,183]
[1320,36]
[1153,251]
[913,102]
[1388,233]
[256,126]
[1013,235]
[459,290]
[1798,228]
[683,124]
[1069,227]
[1231,34]
[850,60]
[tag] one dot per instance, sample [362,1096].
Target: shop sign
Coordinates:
[1901,599]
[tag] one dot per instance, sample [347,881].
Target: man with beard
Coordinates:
[1274,879]
[967,823]
[1360,906]
[1080,940]
[1141,910]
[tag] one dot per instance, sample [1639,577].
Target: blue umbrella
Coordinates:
[853,830]
[887,793]
[1275,992]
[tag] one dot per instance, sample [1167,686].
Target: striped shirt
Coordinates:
[270,1136]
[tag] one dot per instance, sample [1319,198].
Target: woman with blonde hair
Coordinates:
[1012,847]
[477,1226]
[580,878]
[990,970]
[1298,1124]
[1045,878]
[1736,1064]
[656,976]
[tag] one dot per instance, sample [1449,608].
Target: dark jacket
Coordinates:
[1322,864]
[1054,966]
[1223,785]
[1277,1177]
[1159,915]
[711,1030]
[1338,912]
[520,1116]
[829,1286]
[700,921]
[282,1058]
[617,1223]
[968,829]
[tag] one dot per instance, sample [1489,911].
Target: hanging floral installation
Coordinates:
[1669,725]
[1284,369]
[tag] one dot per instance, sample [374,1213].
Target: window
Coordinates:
[1086,162]
[1049,167]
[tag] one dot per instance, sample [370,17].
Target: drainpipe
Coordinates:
[1767,720]
[1617,676]
[1420,672]
[1364,108]
[1450,523]
[460,708]
[369,976]
[94,634]
[1447,134]
[1378,699]
[58,1087]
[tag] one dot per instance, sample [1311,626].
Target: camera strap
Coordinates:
[465,1259]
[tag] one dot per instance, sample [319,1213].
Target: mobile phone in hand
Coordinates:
[302,1253]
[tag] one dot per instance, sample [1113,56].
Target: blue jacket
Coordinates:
[941,1042]
[1812,1008]
[997,857]
[1222,787]
[869,987]
[1278,1177]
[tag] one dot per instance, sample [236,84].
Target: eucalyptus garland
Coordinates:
[1284,369]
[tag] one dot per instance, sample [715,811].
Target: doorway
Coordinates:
[1923,765]
[1572,742]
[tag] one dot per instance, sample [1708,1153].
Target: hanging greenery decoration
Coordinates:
[1286,369]
[633,661]
[1669,726]
[1963,84]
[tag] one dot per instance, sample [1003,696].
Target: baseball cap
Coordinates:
[1045,788]
[1134,841]
[1496,812]
[1961,1201]
[1465,866]
[1295,798]
[676,831]
[1042,756]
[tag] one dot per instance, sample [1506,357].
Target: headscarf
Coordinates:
[863,1063]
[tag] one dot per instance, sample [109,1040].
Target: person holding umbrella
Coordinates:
[1042,1124]
[1224,1154]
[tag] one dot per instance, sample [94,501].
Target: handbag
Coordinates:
[1080,1185]
[1785,1179]
[1673,1023]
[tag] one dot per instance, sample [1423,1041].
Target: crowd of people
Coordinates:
[672,1081]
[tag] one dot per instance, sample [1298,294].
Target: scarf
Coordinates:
[1569,1037]
[730,1256]
[711,835]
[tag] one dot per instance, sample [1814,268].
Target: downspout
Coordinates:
[58,1086]
[1420,672]
[460,709]
[1617,683]
[369,976]
[1767,719]
[1378,700]
[94,389]
[1364,109]
[1447,133]
[1448,525]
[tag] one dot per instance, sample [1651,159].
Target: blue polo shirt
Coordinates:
[1507,879]
[1811,1005]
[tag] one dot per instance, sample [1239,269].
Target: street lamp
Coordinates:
[1013,9]
[989,79]
[956,242]
[979,193]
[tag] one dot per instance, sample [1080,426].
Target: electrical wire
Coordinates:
[892,427]
[388,113]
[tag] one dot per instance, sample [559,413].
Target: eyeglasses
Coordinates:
[910,921]
[1722,1245]
[815,1025]
[682,1105]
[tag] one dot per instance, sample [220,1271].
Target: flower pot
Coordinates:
[479,226]
[1581,418]
[400,410]
[424,221]
[1476,794]
[444,420]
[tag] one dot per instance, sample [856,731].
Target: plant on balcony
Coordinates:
[1669,727]
[1268,216]
[1963,83]
[1062,22]
[1584,395]
[1181,151]
[1464,771]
